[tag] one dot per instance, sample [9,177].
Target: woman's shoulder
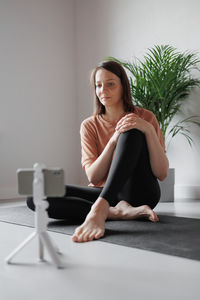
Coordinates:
[140,110]
[89,124]
[90,121]
[144,113]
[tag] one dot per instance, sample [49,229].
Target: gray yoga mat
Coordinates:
[176,236]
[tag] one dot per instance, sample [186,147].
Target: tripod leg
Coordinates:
[41,250]
[20,247]
[51,249]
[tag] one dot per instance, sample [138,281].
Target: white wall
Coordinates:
[126,28]
[38,100]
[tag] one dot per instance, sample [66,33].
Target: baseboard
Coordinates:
[8,193]
[187,192]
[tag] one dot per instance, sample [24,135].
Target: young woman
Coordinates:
[123,154]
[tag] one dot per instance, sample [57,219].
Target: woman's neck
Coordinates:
[113,115]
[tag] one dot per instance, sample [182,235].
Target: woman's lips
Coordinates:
[105,98]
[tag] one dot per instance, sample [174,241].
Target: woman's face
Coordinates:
[108,88]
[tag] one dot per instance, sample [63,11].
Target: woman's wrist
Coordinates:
[113,140]
[112,143]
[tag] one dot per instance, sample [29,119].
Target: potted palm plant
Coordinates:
[161,83]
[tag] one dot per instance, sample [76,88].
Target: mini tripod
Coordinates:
[41,221]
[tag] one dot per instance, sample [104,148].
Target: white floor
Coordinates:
[97,270]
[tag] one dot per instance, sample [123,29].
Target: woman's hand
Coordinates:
[131,121]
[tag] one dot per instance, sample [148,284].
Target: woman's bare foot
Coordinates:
[124,211]
[94,224]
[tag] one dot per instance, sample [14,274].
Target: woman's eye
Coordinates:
[110,84]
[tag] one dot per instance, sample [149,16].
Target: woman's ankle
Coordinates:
[101,207]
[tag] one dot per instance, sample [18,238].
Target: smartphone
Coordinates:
[53,182]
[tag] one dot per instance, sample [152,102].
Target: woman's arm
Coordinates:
[158,160]
[98,169]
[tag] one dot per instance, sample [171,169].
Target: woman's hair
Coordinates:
[119,71]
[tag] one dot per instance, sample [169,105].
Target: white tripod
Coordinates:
[41,221]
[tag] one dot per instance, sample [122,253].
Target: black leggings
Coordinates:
[130,178]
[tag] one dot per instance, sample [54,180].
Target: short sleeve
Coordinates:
[89,151]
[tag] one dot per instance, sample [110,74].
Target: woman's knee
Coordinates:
[134,132]
[133,136]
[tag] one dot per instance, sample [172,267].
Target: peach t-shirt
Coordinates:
[95,133]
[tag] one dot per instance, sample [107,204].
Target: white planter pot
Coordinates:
[167,187]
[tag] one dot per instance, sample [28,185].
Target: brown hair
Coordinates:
[119,71]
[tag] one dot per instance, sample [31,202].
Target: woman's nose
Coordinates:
[103,88]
